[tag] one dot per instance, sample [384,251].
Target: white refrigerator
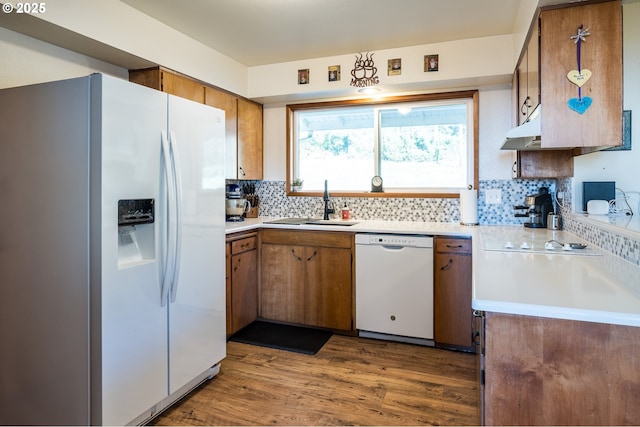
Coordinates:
[112,271]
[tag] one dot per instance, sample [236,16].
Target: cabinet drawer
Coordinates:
[459,246]
[336,239]
[243,245]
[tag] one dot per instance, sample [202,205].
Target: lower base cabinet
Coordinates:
[542,371]
[306,278]
[242,281]
[452,293]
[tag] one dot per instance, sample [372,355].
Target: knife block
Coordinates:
[255,202]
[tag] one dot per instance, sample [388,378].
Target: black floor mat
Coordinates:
[283,337]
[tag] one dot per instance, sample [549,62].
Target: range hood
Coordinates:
[526,136]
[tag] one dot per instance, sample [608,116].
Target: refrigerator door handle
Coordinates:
[169,260]
[177,180]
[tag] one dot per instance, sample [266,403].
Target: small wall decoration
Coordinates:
[431,63]
[580,76]
[334,73]
[394,67]
[364,71]
[303,77]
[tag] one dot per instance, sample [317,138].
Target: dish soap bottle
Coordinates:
[345,212]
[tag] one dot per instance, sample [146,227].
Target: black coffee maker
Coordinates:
[538,206]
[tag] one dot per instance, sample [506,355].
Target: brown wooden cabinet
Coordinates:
[601,53]
[243,134]
[242,281]
[542,371]
[564,130]
[306,278]
[452,288]
[170,82]
[525,98]
[243,118]
[527,77]
[250,144]
[543,164]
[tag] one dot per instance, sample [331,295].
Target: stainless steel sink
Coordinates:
[291,221]
[311,221]
[331,222]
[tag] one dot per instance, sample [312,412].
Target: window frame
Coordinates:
[292,108]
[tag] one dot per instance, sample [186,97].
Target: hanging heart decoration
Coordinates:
[579,78]
[580,105]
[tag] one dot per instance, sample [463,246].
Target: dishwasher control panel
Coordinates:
[394,240]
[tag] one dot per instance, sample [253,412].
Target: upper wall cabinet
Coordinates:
[244,158]
[169,82]
[581,75]
[243,118]
[529,78]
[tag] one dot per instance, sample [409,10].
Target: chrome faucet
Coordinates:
[325,197]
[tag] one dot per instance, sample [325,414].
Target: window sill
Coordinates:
[385,194]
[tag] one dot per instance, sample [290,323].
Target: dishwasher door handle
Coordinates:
[393,247]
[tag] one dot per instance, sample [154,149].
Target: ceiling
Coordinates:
[259,32]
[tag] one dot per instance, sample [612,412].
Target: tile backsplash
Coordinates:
[624,245]
[275,203]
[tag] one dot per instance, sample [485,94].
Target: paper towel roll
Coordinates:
[468,207]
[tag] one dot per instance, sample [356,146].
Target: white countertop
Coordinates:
[599,287]
[368,226]
[596,288]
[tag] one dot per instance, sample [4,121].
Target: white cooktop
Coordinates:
[536,241]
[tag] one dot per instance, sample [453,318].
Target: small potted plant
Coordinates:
[297,184]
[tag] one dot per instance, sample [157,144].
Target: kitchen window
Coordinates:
[421,145]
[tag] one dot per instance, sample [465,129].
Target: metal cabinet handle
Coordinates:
[450,246]
[296,256]
[526,105]
[314,254]
[241,171]
[448,266]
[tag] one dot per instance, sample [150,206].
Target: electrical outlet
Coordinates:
[493,197]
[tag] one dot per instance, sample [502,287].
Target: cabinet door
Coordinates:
[249,140]
[228,288]
[523,96]
[601,53]
[453,315]
[182,86]
[452,288]
[282,283]
[328,293]
[229,103]
[544,164]
[244,289]
[533,69]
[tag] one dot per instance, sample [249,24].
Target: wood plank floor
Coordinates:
[350,381]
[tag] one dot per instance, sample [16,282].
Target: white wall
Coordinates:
[619,166]
[275,143]
[495,120]
[27,61]
[116,24]
[462,63]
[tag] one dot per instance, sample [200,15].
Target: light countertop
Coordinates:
[595,286]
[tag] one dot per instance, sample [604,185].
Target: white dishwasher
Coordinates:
[394,287]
